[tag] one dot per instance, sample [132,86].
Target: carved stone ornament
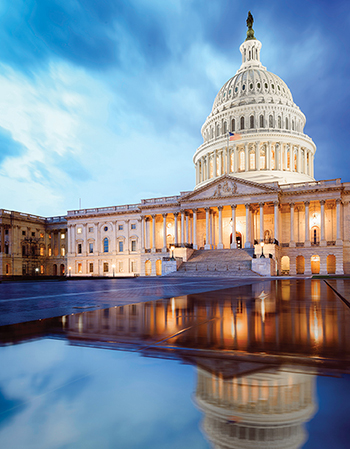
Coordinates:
[225,188]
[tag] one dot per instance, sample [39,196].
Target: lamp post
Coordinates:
[262,250]
[113,266]
[70,271]
[172,248]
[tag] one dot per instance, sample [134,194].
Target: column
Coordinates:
[215,164]
[291,241]
[285,166]
[197,169]
[69,235]
[246,159]
[176,214]
[339,238]
[208,166]
[277,155]
[182,241]
[153,250]
[211,231]
[233,219]
[142,233]
[220,244]
[276,224]
[307,224]
[228,160]
[147,238]
[298,159]
[164,233]
[220,162]
[257,155]
[195,229]
[268,156]
[187,236]
[290,157]
[248,243]
[207,245]
[323,240]
[261,206]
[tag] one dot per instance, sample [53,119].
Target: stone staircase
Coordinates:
[218,263]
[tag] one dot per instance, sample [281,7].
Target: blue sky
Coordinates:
[104,100]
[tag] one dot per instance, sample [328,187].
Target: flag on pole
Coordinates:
[234,136]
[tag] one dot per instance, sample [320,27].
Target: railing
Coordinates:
[103,210]
[315,243]
[55,219]
[183,245]
[285,245]
[165,199]
[302,185]
[299,244]
[331,243]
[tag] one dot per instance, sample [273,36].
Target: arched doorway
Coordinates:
[331,261]
[300,265]
[238,239]
[158,267]
[54,269]
[285,265]
[315,264]
[148,268]
[62,269]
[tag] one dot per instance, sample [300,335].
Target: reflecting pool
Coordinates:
[262,365]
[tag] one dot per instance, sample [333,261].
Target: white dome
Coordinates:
[269,143]
[253,86]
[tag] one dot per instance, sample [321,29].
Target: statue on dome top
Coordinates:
[250,32]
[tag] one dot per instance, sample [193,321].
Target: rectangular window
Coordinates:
[121,247]
[63,251]
[33,234]
[133,245]
[91,229]
[6,248]
[63,236]
[41,269]
[50,251]
[105,267]
[79,248]
[7,232]
[91,267]
[133,226]
[41,235]
[41,251]
[23,232]
[120,227]
[23,250]
[80,268]
[133,266]
[91,248]
[79,230]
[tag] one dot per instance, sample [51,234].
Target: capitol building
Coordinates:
[255,195]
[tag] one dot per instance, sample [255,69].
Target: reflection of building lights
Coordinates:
[173,305]
[233,328]
[315,326]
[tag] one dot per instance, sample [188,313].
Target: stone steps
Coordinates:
[217,263]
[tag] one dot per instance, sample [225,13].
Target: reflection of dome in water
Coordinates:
[265,409]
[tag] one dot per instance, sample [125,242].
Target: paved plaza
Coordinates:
[27,301]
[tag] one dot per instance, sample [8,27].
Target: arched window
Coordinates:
[233,125]
[287,125]
[242,122]
[105,245]
[262,160]
[279,122]
[242,161]
[252,160]
[261,121]
[251,120]
[270,121]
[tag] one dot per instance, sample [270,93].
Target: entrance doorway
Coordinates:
[238,239]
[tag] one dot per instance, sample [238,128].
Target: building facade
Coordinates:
[254,185]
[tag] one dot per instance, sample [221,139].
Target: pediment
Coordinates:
[228,186]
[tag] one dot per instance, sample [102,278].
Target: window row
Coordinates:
[106,246]
[252,123]
[105,228]
[120,267]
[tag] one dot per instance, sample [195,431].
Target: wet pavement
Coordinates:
[265,364]
[27,301]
